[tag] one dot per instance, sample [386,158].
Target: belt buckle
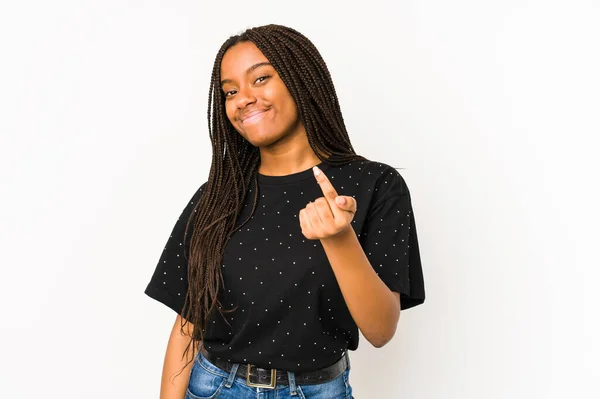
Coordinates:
[257,385]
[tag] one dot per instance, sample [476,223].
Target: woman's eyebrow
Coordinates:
[252,68]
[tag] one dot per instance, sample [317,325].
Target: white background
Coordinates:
[491,106]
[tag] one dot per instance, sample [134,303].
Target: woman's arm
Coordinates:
[173,385]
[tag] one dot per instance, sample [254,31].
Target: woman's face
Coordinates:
[257,102]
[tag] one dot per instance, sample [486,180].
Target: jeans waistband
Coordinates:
[269,378]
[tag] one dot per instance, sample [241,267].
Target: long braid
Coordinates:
[235,161]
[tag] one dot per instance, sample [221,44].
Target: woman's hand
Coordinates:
[327,216]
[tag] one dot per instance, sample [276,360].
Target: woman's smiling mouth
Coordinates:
[254,116]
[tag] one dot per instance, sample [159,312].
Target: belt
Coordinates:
[269,378]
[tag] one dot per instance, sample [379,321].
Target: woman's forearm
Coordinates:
[174,383]
[374,308]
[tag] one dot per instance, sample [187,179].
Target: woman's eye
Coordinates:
[229,93]
[261,79]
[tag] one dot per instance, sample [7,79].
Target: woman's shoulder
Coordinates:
[379,173]
[197,193]
[371,165]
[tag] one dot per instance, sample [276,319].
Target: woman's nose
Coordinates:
[245,97]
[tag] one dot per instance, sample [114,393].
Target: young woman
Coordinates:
[294,242]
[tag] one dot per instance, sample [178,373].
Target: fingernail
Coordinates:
[316,170]
[340,200]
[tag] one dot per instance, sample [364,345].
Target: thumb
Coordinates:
[344,202]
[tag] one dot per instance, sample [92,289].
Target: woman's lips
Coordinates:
[254,116]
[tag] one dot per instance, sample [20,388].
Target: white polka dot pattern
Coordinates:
[290,311]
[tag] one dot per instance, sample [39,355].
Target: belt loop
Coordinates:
[348,358]
[292,381]
[232,375]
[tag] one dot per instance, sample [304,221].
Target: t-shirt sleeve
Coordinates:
[168,284]
[389,239]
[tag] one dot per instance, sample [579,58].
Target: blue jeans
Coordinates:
[207,381]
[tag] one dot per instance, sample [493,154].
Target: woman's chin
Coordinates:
[261,140]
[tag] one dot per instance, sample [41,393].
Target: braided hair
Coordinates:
[235,161]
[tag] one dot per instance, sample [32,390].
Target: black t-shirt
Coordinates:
[291,314]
